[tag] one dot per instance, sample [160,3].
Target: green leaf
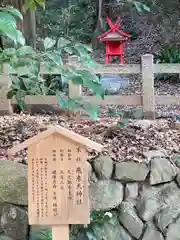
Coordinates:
[146,8]
[87,76]
[25,66]
[61,100]
[138,6]
[28,83]
[77,80]
[62,42]
[49,43]
[21,105]
[41,3]
[10,94]
[15,35]
[48,66]
[88,48]
[57,59]
[68,50]
[6,25]
[9,52]
[16,84]
[7,17]
[20,38]
[82,52]
[64,79]
[138,113]
[44,89]
[95,88]
[89,63]
[124,123]
[71,104]
[20,97]
[25,50]
[33,4]
[1,68]
[13,11]
[91,81]
[93,111]
[112,113]
[29,3]
[91,236]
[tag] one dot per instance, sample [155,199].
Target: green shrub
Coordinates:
[25,62]
[8,26]
[168,53]
[75,21]
[97,218]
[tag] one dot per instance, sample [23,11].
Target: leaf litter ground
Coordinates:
[121,144]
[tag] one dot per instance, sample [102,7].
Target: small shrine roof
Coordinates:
[114,28]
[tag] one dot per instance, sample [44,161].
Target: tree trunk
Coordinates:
[29,27]
[97,23]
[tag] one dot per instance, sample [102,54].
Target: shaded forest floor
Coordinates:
[124,144]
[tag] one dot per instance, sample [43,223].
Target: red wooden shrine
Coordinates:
[114,40]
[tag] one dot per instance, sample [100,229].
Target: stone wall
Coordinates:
[144,198]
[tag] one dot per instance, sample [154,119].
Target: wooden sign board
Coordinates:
[57,182]
[57,179]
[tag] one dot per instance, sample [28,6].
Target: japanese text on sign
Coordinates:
[78,159]
[37,188]
[79,186]
[57,181]
[62,180]
[62,155]
[42,186]
[70,175]
[69,154]
[46,187]
[54,155]
[54,186]
[33,180]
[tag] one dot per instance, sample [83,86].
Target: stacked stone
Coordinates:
[143,197]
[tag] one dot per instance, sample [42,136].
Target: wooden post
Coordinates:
[5,104]
[75,91]
[148,86]
[60,232]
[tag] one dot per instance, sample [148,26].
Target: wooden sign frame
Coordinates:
[57,179]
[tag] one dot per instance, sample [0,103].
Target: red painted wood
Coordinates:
[114,47]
